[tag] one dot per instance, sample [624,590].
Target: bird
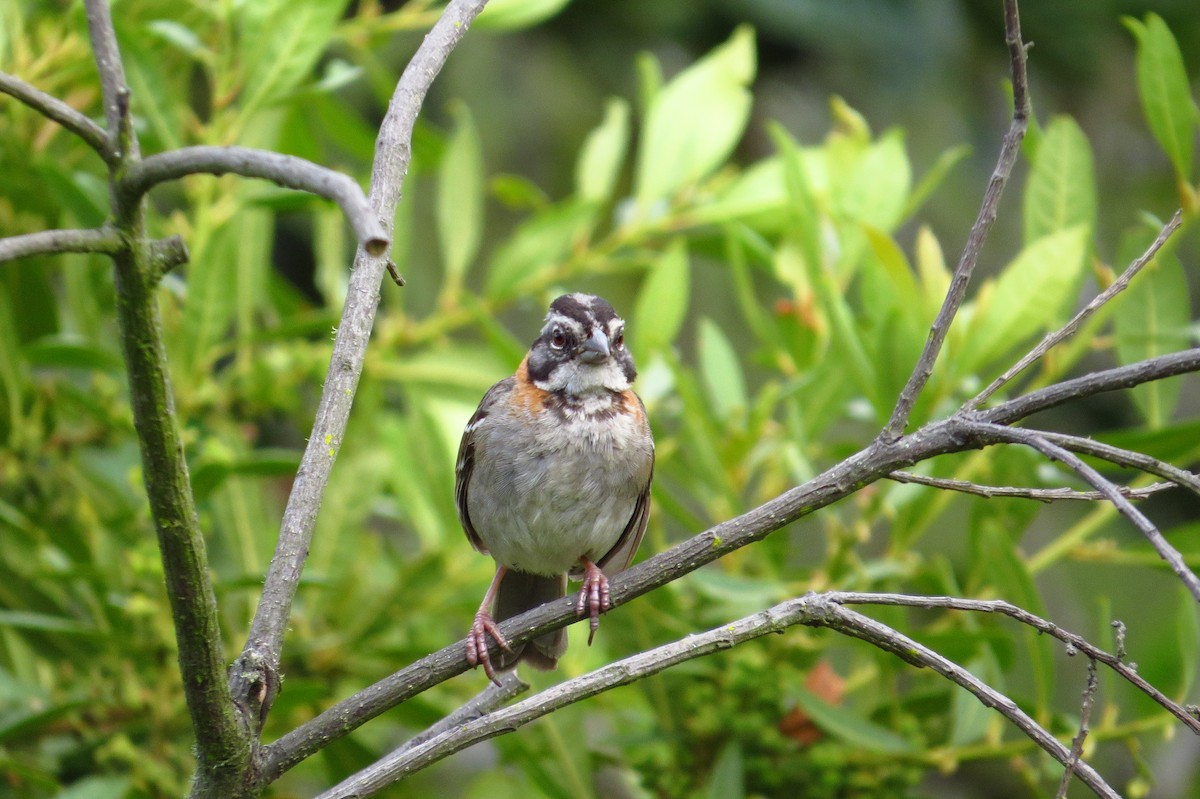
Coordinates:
[553,478]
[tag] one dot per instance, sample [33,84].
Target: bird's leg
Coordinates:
[483,626]
[593,597]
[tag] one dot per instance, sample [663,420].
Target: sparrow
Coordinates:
[553,478]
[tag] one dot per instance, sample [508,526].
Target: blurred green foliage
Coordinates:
[777,302]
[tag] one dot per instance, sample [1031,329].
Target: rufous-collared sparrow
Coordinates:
[553,477]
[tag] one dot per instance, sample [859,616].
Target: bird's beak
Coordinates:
[595,349]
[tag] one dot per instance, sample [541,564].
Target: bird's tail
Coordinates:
[518,593]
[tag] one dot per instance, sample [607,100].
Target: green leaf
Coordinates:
[756,196]
[280,43]
[44,623]
[1165,94]
[13,373]
[721,369]
[1029,296]
[937,173]
[181,37]
[806,215]
[1151,320]
[210,473]
[603,154]
[152,75]
[1061,191]
[1186,641]
[538,247]
[329,246]
[98,787]
[518,193]
[663,301]
[71,352]
[728,777]
[969,717]
[509,15]
[997,568]
[877,190]
[696,120]
[849,727]
[460,198]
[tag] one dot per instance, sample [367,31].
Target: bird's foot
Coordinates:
[477,642]
[593,597]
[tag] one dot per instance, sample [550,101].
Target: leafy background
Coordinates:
[771,192]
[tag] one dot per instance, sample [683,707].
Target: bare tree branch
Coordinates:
[1039,494]
[286,170]
[816,610]
[49,242]
[1074,642]
[957,292]
[259,663]
[1115,379]
[122,142]
[1070,327]
[54,109]
[1053,451]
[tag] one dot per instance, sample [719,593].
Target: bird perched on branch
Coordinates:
[553,477]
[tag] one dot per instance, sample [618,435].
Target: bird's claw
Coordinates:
[593,597]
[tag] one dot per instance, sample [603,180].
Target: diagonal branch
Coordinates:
[1036,440]
[1067,330]
[286,170]
[979,231]
[55,109]
[816,610]
[1017,492]
[254,677]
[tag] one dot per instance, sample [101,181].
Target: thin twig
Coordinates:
[1073,641]
[285,170]
[957,292]
[1115,379]
[55,109]
[113,90]
[1085,715]
[1072,326]
[852,623]
[486,701]
[393,152]
[50,242]
[815,610]
[1127,458]
[1017,492]
[1036,440]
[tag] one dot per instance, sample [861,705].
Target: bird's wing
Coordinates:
[466,458]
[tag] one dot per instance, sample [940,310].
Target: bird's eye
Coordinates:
[619,341]
[558,339]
